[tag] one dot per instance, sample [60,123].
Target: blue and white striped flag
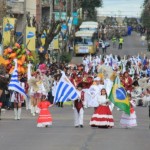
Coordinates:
[14,83]
[65,90]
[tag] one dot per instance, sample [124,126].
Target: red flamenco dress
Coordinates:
[102,116]
[45,118]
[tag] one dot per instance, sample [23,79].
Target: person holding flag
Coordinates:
[19,94]
[119,97]
[65,90]
[129,121]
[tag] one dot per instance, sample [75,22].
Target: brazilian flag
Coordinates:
[118,96]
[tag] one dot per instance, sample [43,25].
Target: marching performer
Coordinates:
[45,118]
[78,108]
[102,116]
[17,99]
[129,121]
[127,82]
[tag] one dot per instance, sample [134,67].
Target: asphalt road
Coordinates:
[132,46]
[24,135]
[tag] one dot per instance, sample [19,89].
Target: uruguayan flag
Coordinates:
[65,90]
[14,82]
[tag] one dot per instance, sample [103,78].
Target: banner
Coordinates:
[75,18]
[43,36]
[70,20]
[60,16]
[8,26]
[30,38]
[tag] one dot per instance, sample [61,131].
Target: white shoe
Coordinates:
[33,114]
[33,111]
[19,114]
[15,112]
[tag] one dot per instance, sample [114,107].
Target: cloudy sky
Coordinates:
[121,8]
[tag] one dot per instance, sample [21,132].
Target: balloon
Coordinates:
[15,48]
[11,70]
[19,56]
[22,70]
[19,69]
[19,62]
[17,45]
[18,51]
[23,58]
[7,62]
[9,49]
[6,52]
[23,51]
[22,46]
[12,55]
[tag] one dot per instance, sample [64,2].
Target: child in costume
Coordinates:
[17,99]
[45,118]
[78,108]
[102,116]
[129,121]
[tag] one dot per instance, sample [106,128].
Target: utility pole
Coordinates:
[51,9]
[24,22]
[72,3]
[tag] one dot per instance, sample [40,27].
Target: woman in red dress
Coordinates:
[45,118]
[102,116]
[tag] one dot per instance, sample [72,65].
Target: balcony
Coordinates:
[45,3]
[17,7]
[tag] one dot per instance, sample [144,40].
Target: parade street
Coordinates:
[132,46]
[24,135]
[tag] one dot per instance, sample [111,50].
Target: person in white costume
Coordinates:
[79,108]
[129,121]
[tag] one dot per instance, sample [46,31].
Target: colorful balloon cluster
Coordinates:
[22,55]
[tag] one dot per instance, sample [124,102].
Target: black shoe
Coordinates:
[46,126]
[81,126]
[76,126]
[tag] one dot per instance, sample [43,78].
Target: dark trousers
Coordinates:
[120,46]
[60,104]
[104,50]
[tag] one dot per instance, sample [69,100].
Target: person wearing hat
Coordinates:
[78,108]
[99,82]
[127,81]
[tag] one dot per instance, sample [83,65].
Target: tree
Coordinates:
[89,6]
[145,18]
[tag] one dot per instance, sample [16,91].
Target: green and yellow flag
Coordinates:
[118,96]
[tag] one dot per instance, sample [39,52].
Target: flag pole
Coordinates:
[149,112]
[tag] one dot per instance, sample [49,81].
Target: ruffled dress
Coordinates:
[45,118]
[102,116]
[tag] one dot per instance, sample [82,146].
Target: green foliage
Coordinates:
[36,58]
[65,57]
[89,6]
[145,17]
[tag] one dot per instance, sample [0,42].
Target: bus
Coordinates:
[85,42]
[89,25]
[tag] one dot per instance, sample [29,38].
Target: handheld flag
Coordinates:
[65,90]
[119,97]
[14,82]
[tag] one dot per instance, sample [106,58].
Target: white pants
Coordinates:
[146,100]
[78,117]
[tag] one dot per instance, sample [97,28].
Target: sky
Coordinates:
[122,8]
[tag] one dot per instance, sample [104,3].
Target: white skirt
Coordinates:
[128,121]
